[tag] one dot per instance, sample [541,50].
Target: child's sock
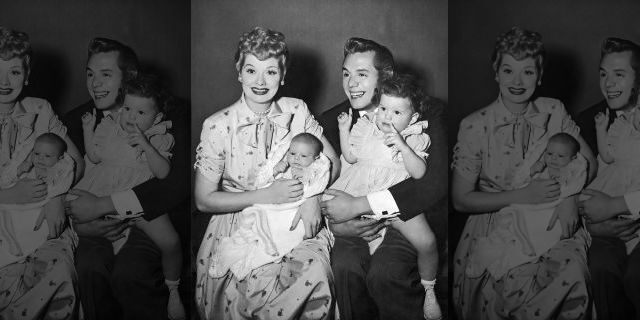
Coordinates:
[431,308]
[175,309]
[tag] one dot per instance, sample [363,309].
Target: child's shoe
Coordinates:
[175,309]
[431,308]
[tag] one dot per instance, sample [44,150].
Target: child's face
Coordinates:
[45,155]
[396,112]
[301,155]
[138,111]
[558,155]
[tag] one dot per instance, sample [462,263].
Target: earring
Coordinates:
[26,82]
[539,82]
[282,83]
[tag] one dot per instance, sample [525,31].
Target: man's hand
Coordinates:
[343,206]
[311,217]
[600,206]
[364,228]
[622,228]
[87,206]
[111,229]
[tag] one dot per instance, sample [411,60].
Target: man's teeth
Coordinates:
[613,95]
[355,95]
[100,95]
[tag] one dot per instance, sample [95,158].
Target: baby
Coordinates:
[49,163]
[264,233]
[521,231]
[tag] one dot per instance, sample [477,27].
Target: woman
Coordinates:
[234,144]
[42,285]
[492,144]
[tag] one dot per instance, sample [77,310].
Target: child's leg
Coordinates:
[162,233]
[420,235]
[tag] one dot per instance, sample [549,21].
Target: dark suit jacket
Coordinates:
[157,196]
[585,120]
[428,194]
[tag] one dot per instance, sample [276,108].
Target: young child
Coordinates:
[619,150]
[386,147]
[48,162]
[128,148]
[522,231]
[264,233]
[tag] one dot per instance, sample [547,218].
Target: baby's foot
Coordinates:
[175,308]
[431,308]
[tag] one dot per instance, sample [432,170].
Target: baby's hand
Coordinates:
[602,120]
[395,139]
[138,138]
[280,167]
[344,121]
[89,120]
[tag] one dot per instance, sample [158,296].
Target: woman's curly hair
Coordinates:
[520,44]
[264,44]
[15,44]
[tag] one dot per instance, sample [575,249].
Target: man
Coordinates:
[128,285]
[615,276]
[387,284]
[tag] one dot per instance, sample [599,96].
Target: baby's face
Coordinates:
[301,155]
[45,155]
[558,155]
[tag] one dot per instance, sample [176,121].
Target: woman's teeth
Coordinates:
[516,91]
[260,91]
[6,91]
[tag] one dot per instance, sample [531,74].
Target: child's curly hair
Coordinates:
[403,85]
[147,85]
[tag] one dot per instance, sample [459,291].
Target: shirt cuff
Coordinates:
[126,203]
[632,199]
[382,203]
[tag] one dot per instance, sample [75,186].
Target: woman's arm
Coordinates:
[209,198]
[327,149]
[467,199]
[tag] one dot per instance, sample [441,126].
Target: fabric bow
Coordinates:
[249,128]
[527,126]
[14,129]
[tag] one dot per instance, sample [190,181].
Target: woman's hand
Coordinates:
[284,190]
[26,191]
[602,120]
[53,212]
[566,212]
[541,190]
[311,217]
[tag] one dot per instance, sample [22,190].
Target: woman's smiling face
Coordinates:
[517,79]
[12,77]
[260,79]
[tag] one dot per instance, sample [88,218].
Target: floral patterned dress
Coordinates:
[43,284]
[492,145]
[234,144]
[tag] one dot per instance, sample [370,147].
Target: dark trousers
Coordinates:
[383,286]
[129,285]
[615,279]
